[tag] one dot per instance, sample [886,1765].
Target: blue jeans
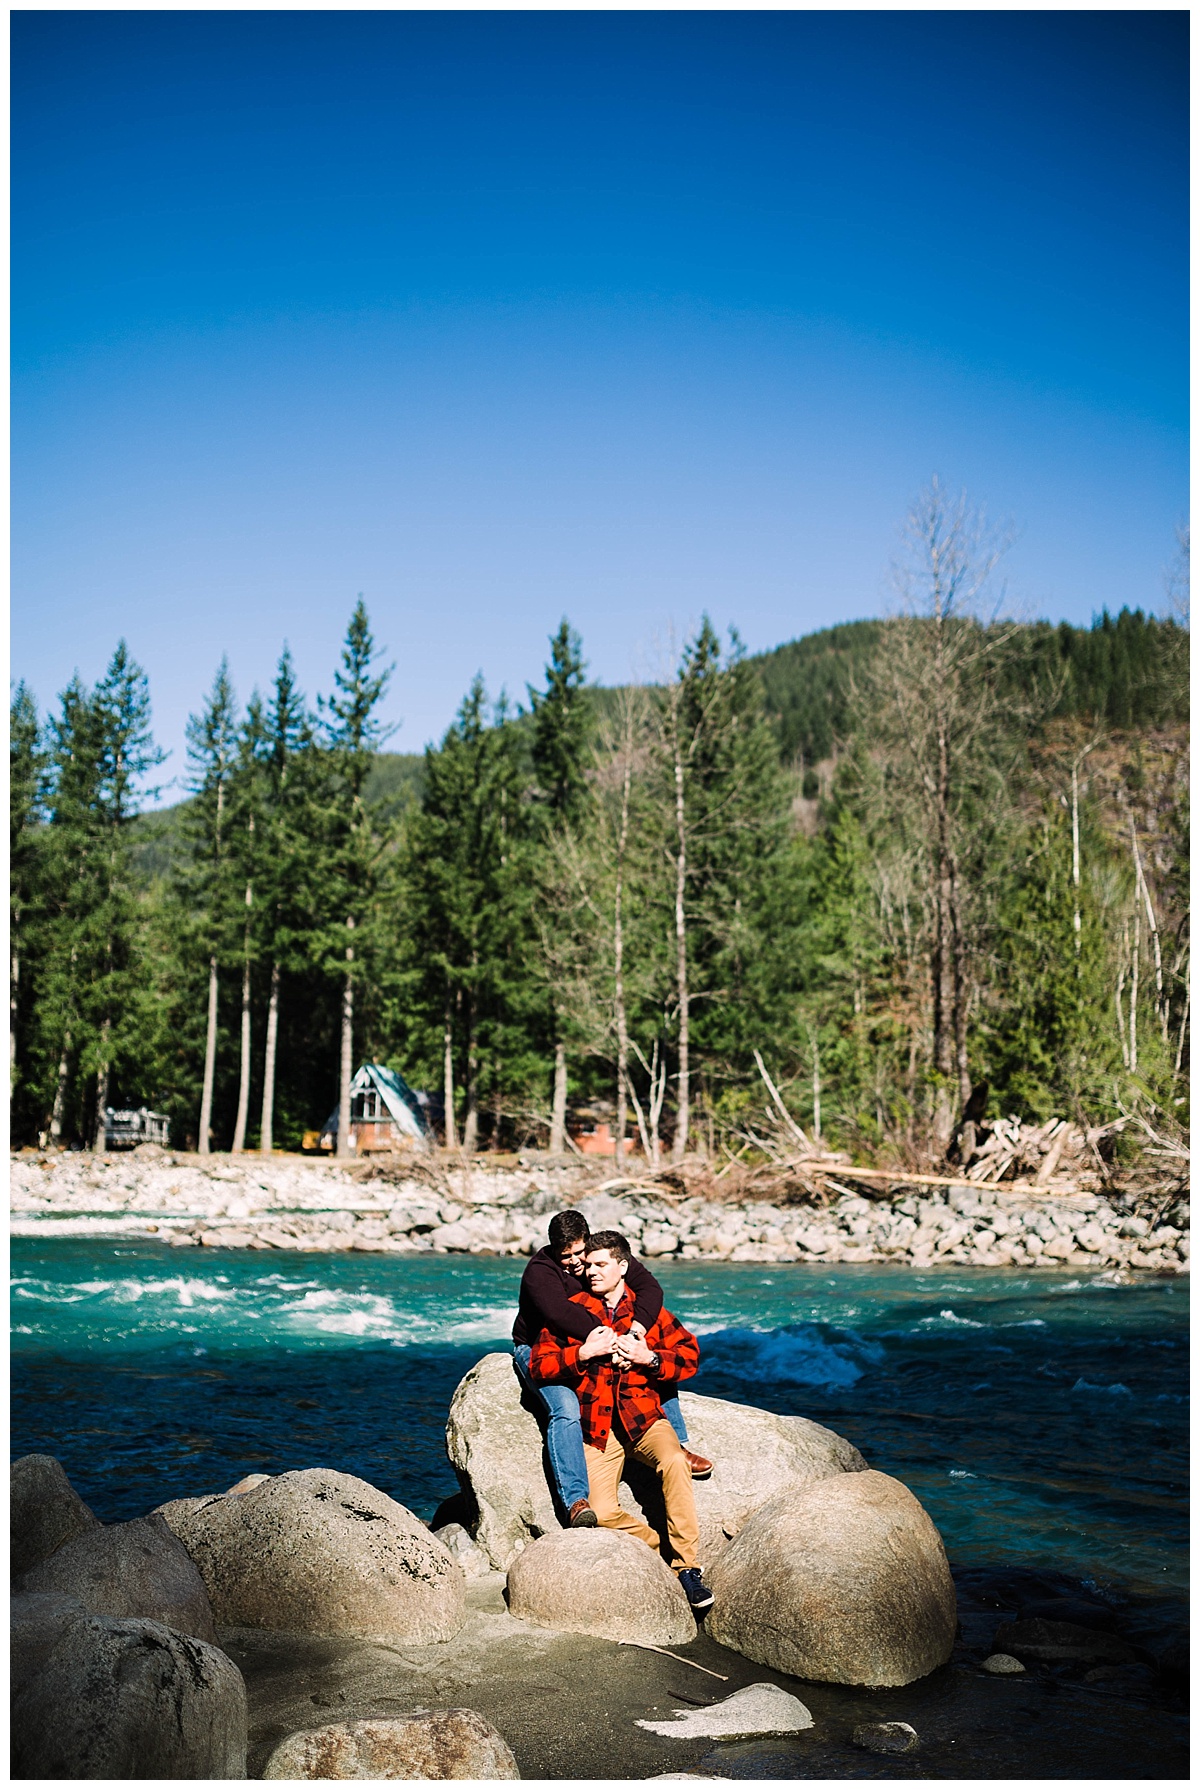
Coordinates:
[564,1437]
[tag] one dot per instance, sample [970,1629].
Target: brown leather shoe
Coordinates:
[701,1469]
[581,1515]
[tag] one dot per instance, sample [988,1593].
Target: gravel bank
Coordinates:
[300,1203]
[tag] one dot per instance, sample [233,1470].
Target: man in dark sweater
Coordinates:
[553,1275]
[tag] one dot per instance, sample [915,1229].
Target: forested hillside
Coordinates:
[926,867]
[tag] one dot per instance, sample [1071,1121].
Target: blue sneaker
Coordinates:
[695,1590]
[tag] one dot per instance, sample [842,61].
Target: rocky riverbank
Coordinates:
[404,1205]
[191,1641]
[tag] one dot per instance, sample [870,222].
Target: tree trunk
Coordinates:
[959,964]
[204,1142]
[816,1055]
[98,1136]
[471,1118]
[682,1112]
[243,1110]
[60,1089]
[619,964]
[558,1112]
[450,1129]
[1076,917]
[266,1140]
[344,1145]
[1133,993]
[14,984]
[1161,1006]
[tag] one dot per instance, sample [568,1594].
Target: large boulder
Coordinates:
[495,1445]
[129,1569]
[843,1580]
[600,1582]
[44,1511]
[108,1697]
[429,1744]
[322,1553]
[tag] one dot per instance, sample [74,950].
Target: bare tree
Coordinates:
[934,707]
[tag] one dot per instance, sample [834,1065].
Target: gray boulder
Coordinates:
[45,1511]
[322,1553]
[495,1446]
[107,1697]
[600,1582]
[886,1737]
[129,1569]
[429,1744]
[843,1580]
[469,1554]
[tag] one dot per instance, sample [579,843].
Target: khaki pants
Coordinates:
[659,1448]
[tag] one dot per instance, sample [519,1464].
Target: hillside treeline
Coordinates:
[953,885]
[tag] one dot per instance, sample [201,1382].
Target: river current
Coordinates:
[1040,1417]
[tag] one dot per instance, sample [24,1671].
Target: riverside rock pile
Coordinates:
[395,1207]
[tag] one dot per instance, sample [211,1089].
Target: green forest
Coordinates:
[924,867]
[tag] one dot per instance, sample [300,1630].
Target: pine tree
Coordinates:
[285,859]
[27,815]
[559,743]
[354,837]
[247,808]
[212,749]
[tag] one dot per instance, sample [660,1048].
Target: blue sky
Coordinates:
[496,317]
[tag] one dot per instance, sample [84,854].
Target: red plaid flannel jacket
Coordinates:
[631,1394]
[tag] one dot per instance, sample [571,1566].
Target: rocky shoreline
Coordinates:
[405,1205]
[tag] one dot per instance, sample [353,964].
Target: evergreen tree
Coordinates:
[212,750]
[559,744]
[27,797]
[354,837]
[288,872]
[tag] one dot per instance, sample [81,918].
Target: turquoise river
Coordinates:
[1041,1417]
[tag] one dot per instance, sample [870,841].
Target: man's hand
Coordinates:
[632,1351]
[597,1342]
[637,1328]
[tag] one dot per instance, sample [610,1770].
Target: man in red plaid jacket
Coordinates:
[619,1407]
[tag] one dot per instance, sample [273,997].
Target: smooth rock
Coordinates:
[843,1580]
[495,1446]
[119,1698]
[886,1737]
[758,1709]
[429,1744]
[139,1568]
[600,1582]
[1064,1642]
[247,1484]
[469,1555]
[44,1512]
[1002,1664]
[36,1623]
[322,1553]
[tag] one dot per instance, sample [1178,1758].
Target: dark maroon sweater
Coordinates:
[545,1299]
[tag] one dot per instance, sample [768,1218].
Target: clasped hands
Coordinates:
[627,1350]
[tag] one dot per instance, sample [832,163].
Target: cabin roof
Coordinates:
[402,1104]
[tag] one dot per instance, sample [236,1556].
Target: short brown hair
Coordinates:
[613,1241]
[567,1227]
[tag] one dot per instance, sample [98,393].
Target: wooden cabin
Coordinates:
[385,1114]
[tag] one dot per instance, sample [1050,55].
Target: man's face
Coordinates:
[604,1271]
[570,1256]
